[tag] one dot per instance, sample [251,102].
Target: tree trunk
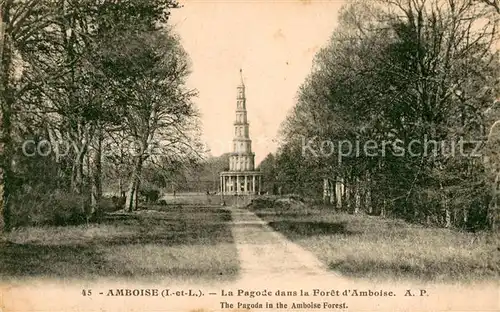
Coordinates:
[347,196]
[2,127]
[130,195]
[447,218]
[493,206]
[357,196]
[447,213]
[6,103]
[5,169]
[120,187]
[339,192]
[368,195]
[383,208]
[326,196]
[96,168]
[132,188]
[331,191]
[455,217]
[136,192]
[77,172]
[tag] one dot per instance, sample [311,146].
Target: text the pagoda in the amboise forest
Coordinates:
[242,178]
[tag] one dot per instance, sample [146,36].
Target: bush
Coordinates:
[111,204]
[32,207]
[279,204]
[262,203]
[149,194]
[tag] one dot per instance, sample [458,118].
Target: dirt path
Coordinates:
[264,252]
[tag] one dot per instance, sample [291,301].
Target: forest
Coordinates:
[400,71]
[91,91]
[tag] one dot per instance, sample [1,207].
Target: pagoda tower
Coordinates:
[242,178]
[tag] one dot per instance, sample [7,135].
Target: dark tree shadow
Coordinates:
[299,229]
[29,260]
[451,269]
[47,260]
[89,258]
[170,230]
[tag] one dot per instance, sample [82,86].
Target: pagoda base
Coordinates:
[240,182]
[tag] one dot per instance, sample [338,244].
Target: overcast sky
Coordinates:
[274,43]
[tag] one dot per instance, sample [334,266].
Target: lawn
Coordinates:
[386,249]
[191,199]
[175,243]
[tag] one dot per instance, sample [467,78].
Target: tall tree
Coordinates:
[23,32]
[160,107]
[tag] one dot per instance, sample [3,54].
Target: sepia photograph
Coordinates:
[249,155]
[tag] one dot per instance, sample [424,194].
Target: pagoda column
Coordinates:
[253,184]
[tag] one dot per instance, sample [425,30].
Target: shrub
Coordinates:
[149,194]
[111,204]
[32,207]
[279,204]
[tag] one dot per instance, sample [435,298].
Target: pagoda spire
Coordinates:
[241,99]
[241,78]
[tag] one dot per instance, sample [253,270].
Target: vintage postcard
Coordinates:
[250,155]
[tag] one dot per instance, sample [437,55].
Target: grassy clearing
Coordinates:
[191,199]
[176,243]
[386,249]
